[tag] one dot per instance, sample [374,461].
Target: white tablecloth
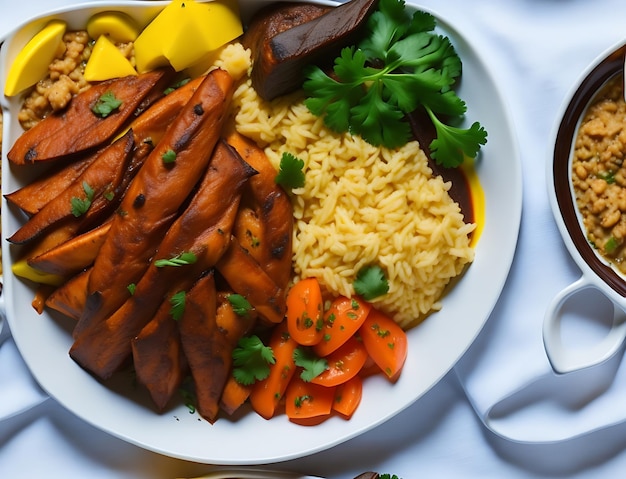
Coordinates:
[501,412]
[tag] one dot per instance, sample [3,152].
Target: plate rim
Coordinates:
[505,262]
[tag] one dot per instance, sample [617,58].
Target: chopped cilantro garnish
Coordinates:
[176,86]
[178,260]
[312,365]
[401,64]
[169,156]
[241,306]
[290,174]
[106,104]
[177,301]
[81,205]
[251,360]
[131,288]
[371,282]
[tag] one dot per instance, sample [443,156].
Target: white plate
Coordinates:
[435,346]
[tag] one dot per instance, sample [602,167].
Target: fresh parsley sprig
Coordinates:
[106,104]
[81,205]
[311,364]
[181,259]
[290,174]
[177,303]
[371,282]
[401,64]
[251,360]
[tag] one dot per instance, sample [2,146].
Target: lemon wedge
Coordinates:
[117,26]
[22,269]
[107,62]
[31,63]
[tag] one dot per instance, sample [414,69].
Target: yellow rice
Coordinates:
[363,205]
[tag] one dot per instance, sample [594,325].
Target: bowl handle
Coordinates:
[564,360]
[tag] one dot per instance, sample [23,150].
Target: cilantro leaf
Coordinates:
[169,156]
[251,360]
[241,306]
[452,144]
[400,65]
[106,104]
[177,302]
[178,260]
[290,174]
[81,205]
[371,282]
[312,365]
[176,86]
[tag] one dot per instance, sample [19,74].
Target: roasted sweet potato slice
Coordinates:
[155,195]
[202,229]
[248,230]
[158,358]
[75,254]
[35,195]
[255,285]
[273,248]
[205,355]
[91,190]
[70,297]
[147,131]
[78,128]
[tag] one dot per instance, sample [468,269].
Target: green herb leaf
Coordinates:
[311,364]
[241,306]
[400,65]
[290,174]
[181,259]
[81,205]
[251,360]
[176,86]
[169,156]
[453,144]
[371,282]
[106,104]
[611,245]
[177,301]
[131,288]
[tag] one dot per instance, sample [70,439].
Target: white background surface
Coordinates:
[520,420]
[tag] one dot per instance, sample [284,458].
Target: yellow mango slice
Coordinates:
[149,44]
[107,62]
[185,32]
[31,63]
[22,269]
[204,28]
[117,26]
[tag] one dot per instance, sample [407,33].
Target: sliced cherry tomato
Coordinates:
[385,341]
[343,364]
[266,394]
[348,396]
[305,400]
[344,318]
[304,312]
